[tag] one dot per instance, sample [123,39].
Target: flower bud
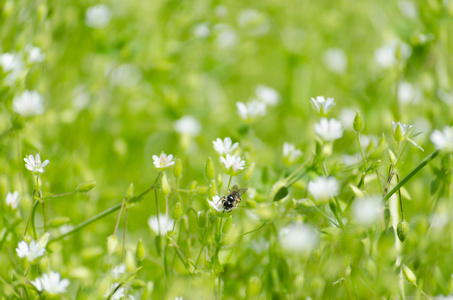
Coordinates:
[176,214]
[398,133]
[410,276]
[112,243]
[386,217]
[85,187]
[166,189]
[193,185]
[137,284]
[43,240]
[129,261]
[212,189]
[140,251]
[209,169]
[249,171]
[402,229]
[177,169]
[201,219]
[227,225]
[392,156]
[358,122]
[279,191]
[130,191]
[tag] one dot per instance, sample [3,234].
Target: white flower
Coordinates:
[346,117]
[51,283]
[35,54]
[97,16]
[155,225]
[336,60]
[267,95]
[251,110]
[385,56]
[163,161]
[117,271]
[443,140]
[324,188]
[406,92]
[322,106]
[34,164]
[29,103]
[367,210]
[329,129]
[408,9]
[406,130]
[13,199]
[30,251]
[233,165]
[217,207]
[298,238]
[187,125]
[226,37]
[224,147]
[11,62]
[201,30]
[117,295]
[290,153]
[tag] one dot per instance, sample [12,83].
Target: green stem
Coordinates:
[59,195]
[119,216]
[360,147]
[411,174]
[299,168]
[229,182]
[124,232]
[32,211]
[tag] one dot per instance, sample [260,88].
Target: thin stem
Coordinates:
[254,230]
[335,213]
[58,195]
[31,212]
[44,214]
[119,216]
[229,182]
[299,168]
[411,174]
[166,211]
[360,147]
[198,256]
[399,197]
[124,232]
[379,180]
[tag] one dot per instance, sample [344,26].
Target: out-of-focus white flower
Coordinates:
[154,224]
[11,62]
[439,220]
[324,188]
[408,9]
[253,22]
[13,199]
[117,271]
[346,117]
[35,54]
[30,251]
[336,60]
[232,165]
[163,161]
[117,295]
[224,147]
[29,103]
[290,154]
[443,140]
[124,75]
[221,11]
[385,56]
[51,283]
[65,228]
[446,97]
[34,164]
[367,210]
[267,95]
[80,97]
[322,106]
[97,16]
[187,125]
[329,129]
[298,238]
[201,30]
[226,37]
[406,92]
[37,284]
[251,110]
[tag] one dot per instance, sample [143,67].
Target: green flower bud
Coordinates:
[43,240]
[130,191]
[140,251]
[279,191]
[130,262]
[227,225]
[398,133]
[166,189]
[177,169]
[358,122]
[212,189]
[386,217]
[112,243]
[249,171]
[176,214]
[85,187]
[392,156]
[58,221]
[410,276]
[209,169]
[201,219]
[137,284]
[193,185]
[402,229]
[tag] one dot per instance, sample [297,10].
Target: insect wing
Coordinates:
[242,191]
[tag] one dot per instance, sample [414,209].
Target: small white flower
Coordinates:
[336,60]
[97,16]
[163,161]
[11,62]
[290,153]
[29,103]
[224,147]
[201,30]
[406,92]
[324,188]
[34,164]
[117,271]
[216,204]
[329,129]
[52,283]
[233,165]
[443,140]
[406,129]
[322,106]
[187,125]
[267,95]
[37,284]
[367,210]
[30,251]
[154,224]
[251,110]
[385,56]
[13,199]
[35,54]
[117,295]
[298,238]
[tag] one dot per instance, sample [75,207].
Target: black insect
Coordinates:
[233,198]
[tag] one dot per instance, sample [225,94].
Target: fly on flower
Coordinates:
[228,203]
